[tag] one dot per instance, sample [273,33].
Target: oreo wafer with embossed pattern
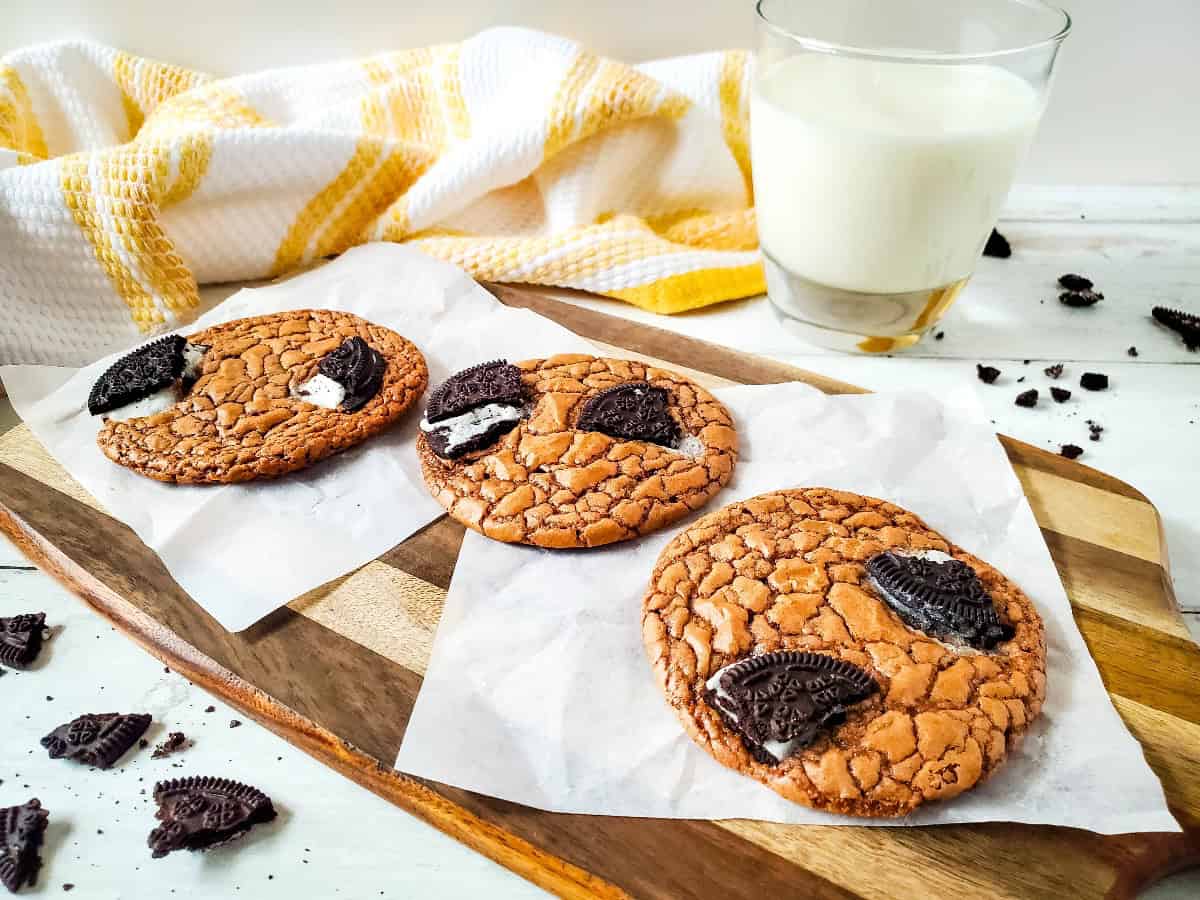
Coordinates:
[96,739]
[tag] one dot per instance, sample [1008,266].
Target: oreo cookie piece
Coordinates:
[471,431]
[1093,381]
[21,639]
[358,369]
[1073,282]
[1186,325]
[202,813]
[634,411]
[940,596]
[1028,398]
[21,831]
[987,374]
[1060,395]
[138,374]
[783,701]
[1080,298]
[486,383]
[1070,451]
[997,245]
[1054,371]
[98,739]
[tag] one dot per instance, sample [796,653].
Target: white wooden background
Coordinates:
[333,839]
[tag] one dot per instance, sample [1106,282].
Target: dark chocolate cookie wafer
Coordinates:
[781,702]
[831,698]
[575,450]
[940,596]
[202,813]
[138,374]
[21,639]
[21,831]
[358,369]
[98,739]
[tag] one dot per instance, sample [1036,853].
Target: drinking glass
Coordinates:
[885,135]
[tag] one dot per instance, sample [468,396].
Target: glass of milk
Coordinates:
[885,135]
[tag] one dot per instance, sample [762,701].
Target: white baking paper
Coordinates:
[242,551]
[539,691]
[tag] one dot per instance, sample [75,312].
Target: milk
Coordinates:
[881,177]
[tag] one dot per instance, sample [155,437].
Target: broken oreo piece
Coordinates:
[21,831]
[1132,351]
[1072,282]
[1054,371]
[1060,395]
[634,411]
[489,382]
[175,741]
[1093,381]
[941,596]
[21,639]
[1028,398]
[997,245]
[357,368]
[202,813]
[1071,451]
[98,739]
[138,374]
[781,702]
[987,374]
[1080,298]
[1186,325]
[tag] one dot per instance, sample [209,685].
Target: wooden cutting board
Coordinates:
[337,672]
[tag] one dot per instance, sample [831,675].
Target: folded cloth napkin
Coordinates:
[517,155]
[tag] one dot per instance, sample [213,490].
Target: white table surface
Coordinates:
[334,839]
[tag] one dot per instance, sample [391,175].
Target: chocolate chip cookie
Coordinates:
[255,398]
[574,450]
[841,652]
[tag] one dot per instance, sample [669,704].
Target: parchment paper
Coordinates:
[241,551]
[539,691]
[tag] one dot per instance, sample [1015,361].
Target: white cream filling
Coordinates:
[690,445]
[778,750]
[157,402]
[462,428]
[321,390]
[163,398]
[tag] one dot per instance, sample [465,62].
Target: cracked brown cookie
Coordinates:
[574,450]
[255,398]
[841,652]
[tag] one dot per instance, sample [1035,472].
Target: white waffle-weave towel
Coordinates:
[520,156]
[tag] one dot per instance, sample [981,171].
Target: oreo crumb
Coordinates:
[68,887]
[175,741]
[1132,351]
[1071,451]
[210,709]
[235,723]
[997,245]
[1028,399]
[1019,380]
[1073,282]
[987,374]
[1096,429]
[1054,371]
[939,335]
[1060,395]
[143,744]
[1094,381]
[1026,362]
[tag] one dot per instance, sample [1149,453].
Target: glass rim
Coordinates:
[921,56]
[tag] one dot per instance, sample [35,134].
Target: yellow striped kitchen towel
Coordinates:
[519,156]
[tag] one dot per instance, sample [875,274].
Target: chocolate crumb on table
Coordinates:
[235,723]
[1093,381]
[175,741]
[987,374]
[1132,351]
[1079,299]
[997,245]
[1054,371]
[1071,451]
[1019,380]
[1060,395]
[1027,399]
[1095,428]
[939,335]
